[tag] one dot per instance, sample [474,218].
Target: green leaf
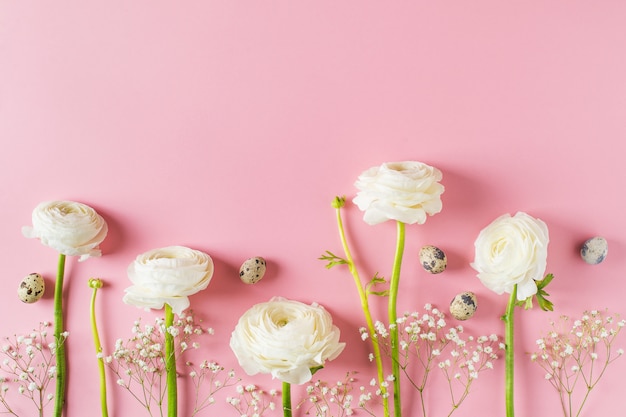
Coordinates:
[544,303]
[376,280]
[541,296]
[545,281]
[332,259]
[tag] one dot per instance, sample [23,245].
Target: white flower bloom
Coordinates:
[512,250]
[404,191]
[168,275]
[285,338]
[71,228]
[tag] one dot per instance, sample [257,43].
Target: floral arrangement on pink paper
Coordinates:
[292,341]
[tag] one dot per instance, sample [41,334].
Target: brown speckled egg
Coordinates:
[31,288]
[464,305]
[252,270]
[433,259]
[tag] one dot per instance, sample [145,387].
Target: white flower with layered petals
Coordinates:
[168,276]
[286,339]
[71,228]
[510,251]
[406,191]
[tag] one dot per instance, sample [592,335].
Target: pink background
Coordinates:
[229,127]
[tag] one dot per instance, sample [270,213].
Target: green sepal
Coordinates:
[315,369]
[339,202]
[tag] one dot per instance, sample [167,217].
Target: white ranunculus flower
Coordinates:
[71,228]
[168,275]
[285,338]
[403,191]
[512,250]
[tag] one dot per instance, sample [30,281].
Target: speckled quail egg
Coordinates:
[594,250]
[464,305]
[31,288]
[433,259]
[252,270]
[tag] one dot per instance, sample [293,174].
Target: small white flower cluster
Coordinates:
[427,343]
[326,400]
[251,401]
[29,364]
[207,381]
[575,350]
[139,362]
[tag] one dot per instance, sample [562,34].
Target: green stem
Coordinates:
[61,358]
[509,361]
[366,311]
[286,399]
[170,364]
[393,318]
[95,284]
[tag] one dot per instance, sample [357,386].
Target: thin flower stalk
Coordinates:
[393,317]
[95,284]
[287,410]
[338,204]
[509,359]
[59,330]
[170,364]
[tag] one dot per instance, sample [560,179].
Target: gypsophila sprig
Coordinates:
[427,342]
[252,401]
[207,379]
[28,367]
[575,355]
[139,362]
[336,400]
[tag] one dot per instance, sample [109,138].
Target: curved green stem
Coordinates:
[61,358]
[286,399]
[170,364]
[366,311]
[509,359]
[393,318]
[96,283]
